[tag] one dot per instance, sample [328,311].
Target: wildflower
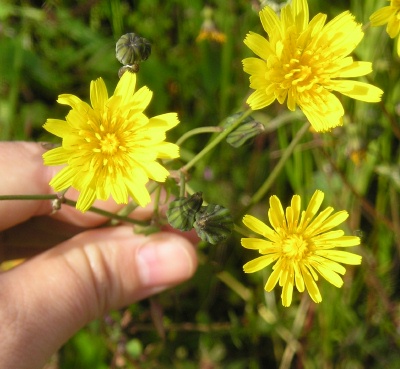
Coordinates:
[301,246]
[209,30]
[110,148]
[304,61]
[391,15]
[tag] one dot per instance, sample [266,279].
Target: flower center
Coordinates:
[295,247]
[109,143]
[300,72]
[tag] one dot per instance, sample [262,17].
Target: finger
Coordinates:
[45,300]
[23,173]
[41,233]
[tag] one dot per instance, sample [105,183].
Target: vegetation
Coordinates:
[223,318]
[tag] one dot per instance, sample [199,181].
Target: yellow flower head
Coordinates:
[303,61]
[110,148]
[390,15]
[301,246]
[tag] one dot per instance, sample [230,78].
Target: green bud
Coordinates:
[213,223]
[132,49]
[244,133]
[234,117]
[181,212]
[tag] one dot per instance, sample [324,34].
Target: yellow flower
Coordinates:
[390,15]
[209,30]
[301,246]
[110,148]
[304,61]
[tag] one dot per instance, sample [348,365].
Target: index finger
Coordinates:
[23,173]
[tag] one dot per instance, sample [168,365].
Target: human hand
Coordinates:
[46,299]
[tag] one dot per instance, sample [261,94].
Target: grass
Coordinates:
[222,318]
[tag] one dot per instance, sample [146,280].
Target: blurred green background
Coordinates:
[222,318]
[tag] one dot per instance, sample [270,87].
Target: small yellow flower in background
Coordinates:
[209,30]
[301,246]
[110,148]
[391,15]
[303,61]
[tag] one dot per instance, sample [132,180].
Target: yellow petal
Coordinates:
[260,99]
[254,243]
[381,16]
[167,150]
[164,121]
[358,90]
[301,14]
[259,45]
[63,179]
[126,87]
[275,213]
[312,208]
[259,227]
[393,27]
[331,276]
[258,263]
[270,21]
[356,69]
[56,156]
[287,290]
[98,94]
[86,199]
[57,127]
[341,256]
[311,286]
[273,278]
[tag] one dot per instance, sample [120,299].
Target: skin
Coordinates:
[77,274]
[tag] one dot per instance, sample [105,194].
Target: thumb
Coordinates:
[47,299]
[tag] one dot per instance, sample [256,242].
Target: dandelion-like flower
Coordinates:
[304,61]
[391,15]
[110,148]
[209,30]
[301,246]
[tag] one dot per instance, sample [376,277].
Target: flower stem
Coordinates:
[29,197]
[216,141]
[292,346]
[278,168]
[73,203]
[109,215]
[198,131]
[182,182]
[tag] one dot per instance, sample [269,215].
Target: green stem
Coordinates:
[216,141]
[28,197]
[109,215]
[197,131]
[73,203]
[292,345]
[278,168]
[182,182]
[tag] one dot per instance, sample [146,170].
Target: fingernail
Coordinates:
[164,260]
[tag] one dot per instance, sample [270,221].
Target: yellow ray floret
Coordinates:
[301,244]
[303,62]
[391,15]
[110,148]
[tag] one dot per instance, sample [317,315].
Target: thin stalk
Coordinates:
[278,168]
[216,141]
[292,345]
[182,182]
[109,215]
[73,203]
[197,131]
[29,197]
